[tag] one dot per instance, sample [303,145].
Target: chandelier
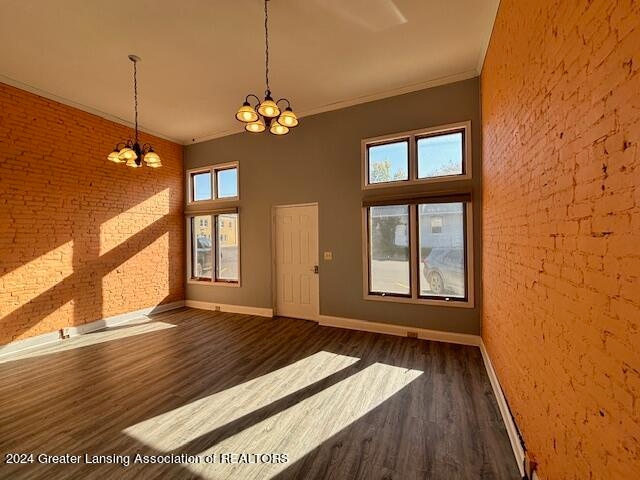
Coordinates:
[130,152]
[266,114]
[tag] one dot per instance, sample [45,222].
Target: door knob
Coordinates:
[315,269]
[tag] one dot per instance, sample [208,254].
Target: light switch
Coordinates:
[328,255]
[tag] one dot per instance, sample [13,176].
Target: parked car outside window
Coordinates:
[443,268]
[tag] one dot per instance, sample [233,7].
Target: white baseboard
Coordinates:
[449,337]
[51,337]
[509,424]
[222,307]
[118,319]
[399,330]
[324,320]
[31,342]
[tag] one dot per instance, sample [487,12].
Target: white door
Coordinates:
[296,261]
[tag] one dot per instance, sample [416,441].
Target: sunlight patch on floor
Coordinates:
[295,431]
[176,428]
[93,338]
[305,426]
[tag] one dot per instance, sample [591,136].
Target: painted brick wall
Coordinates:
[561,230]
[81,238]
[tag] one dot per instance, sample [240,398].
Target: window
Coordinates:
[442,253]
[227,182]
[419,242]
[440,155]
[201,249]
[420,156]
[389,250]
[215,255]
[436,224]
[201,183]
[417,234]
[228,248]
[388,162]
[217,182]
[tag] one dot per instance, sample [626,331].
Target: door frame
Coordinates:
[274,266]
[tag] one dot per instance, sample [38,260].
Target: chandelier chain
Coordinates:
[135,95]
[266,43]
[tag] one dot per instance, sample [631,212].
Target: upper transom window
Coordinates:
[217,182]
[419,156]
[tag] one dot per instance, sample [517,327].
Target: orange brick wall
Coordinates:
[81,238]
[561,230]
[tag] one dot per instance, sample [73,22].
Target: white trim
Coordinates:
[510,425]
[222,307]
[448,337]
[27,343]
[458,77]
[52,337]
[84,108]
[485,44]
[118,319]
[400,330]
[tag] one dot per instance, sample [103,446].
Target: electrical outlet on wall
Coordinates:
[328,255]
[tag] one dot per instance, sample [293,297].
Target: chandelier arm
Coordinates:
[266,46]
[146,148]
[246,99]
[284,100]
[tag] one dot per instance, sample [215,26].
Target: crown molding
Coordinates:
[355,101]
[485,44]
[436,82]
[85,108]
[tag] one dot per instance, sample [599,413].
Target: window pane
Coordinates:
[389,249]
[227,266]
[442,273]
[201,248]
[440,155]
[201,186]
[227,183]
[388,162]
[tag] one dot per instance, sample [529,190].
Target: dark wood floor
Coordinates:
[340,404]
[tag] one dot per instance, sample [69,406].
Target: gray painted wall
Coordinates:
[319,161]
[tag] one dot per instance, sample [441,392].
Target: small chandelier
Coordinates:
[130,152]
[266,114]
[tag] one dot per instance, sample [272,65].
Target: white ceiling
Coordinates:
[201,57]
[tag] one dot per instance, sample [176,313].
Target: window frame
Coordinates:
[467,247]
[370,258]
[413,136]
[216,172]
[415,261]
[215,281]
[213,171]
[391,141]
